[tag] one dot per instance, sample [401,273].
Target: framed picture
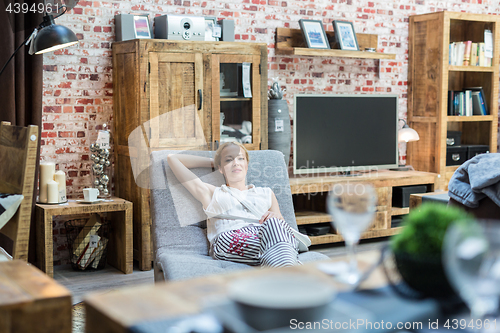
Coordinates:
[210,28]
[346,37]
[141,26]
[314,34]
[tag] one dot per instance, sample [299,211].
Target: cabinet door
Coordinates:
[236,99]
[176,103]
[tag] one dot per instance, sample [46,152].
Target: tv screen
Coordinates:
[339,133]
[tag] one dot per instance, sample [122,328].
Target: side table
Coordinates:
[120,249]
[30,301]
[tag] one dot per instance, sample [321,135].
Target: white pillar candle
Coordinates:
[47,170]
[52,191]
[60,178]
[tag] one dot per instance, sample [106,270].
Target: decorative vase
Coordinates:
[101,164]
[424,274]
[279,131]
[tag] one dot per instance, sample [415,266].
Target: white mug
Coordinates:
[90,194]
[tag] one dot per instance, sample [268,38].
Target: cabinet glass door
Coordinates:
[236,99]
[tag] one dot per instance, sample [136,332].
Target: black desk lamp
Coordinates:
[47,37]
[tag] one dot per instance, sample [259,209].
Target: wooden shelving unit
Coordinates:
[430,77]
[291,42]
[310,192]
[169,91]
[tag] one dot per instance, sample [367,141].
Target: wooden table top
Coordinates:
[129,306]
[21,284]
[75,207]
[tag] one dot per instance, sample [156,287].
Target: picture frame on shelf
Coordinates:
[142,28]
[345,35]
[314,34]
[211,25]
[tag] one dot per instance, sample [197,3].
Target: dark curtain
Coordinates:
[22,81]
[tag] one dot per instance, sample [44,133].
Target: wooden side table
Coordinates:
[120,250]
[30,301]
[417,198]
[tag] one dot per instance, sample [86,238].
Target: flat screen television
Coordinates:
[343,133]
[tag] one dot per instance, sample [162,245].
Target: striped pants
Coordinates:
[271,244]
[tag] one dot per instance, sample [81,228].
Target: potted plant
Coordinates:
[417,249]
[278,120]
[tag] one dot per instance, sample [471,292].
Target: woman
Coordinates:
[245,223]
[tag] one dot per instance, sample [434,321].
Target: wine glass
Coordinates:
[352,206]
[471,258]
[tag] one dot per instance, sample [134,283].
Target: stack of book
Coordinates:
[467,102]
[468,54]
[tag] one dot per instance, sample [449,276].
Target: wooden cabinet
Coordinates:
[310,192]
[171,95]
[430,77]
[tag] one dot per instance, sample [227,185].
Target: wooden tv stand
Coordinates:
[309,194]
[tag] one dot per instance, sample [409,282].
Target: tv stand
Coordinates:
[309,194]
[348,174]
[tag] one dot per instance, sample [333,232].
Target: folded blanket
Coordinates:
[477,179]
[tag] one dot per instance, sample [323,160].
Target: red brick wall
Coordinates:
[78,94]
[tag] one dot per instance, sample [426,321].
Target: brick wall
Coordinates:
[78,94]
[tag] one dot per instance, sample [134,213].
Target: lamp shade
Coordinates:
[407,134]
[53,37]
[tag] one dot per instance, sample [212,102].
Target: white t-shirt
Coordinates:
[223,202]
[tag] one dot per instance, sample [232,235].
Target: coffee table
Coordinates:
[30,301]
[121,309]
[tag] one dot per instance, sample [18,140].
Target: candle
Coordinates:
[52,191]
[60,178]
[47,170]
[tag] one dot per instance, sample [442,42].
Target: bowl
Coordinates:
[273,301]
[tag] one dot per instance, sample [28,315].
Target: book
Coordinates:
[484,105]
[451,50]
[481,54]
[461,103]
[451,103]
[477,108]
[82,240]
[460,53]
[88,254]
[99,252]
[473,54]
[467,103]
[456,109]
[468,47]
[482,98]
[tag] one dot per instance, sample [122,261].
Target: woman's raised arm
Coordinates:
[180,165]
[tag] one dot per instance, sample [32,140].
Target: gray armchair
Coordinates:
[180,244]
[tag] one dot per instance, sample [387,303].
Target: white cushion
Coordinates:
[8,206]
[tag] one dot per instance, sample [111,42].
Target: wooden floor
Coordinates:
[81,283]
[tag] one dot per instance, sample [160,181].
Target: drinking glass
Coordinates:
[471,258]
[352,206]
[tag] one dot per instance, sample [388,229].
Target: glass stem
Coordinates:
[351,253]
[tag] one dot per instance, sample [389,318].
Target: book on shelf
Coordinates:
[481,55]
[468,47]
[477,108]
[482,98]
[468,53]
[467,102]
[473,54]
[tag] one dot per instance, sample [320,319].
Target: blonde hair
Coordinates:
[218,153]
